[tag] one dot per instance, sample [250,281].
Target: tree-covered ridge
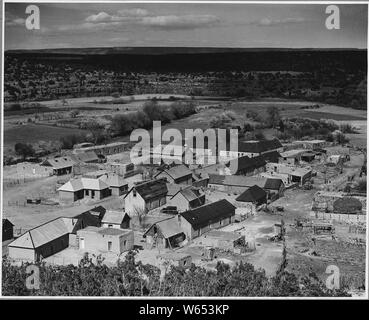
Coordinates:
[132,278]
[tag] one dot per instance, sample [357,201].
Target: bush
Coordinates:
[67,142]
[347,128]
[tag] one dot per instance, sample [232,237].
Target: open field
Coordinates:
[32,133]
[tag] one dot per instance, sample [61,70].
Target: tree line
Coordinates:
[132,278]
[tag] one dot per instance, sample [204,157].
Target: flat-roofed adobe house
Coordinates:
[49,238]
[117,241]
[116,219]
[187,199]
[146,196]
[177,174]
[8,228]
[164,234]
[215,215]
[59,165]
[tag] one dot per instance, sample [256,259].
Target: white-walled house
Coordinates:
[146,196]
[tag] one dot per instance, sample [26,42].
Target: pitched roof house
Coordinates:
[116,219]
[60,165]
[207,217]
[164,234]
[247,166]
[49,238]
[252,148]
[179,174]
[253,194]
[187,199]
[239,184]
[76,189]
[7,230]
[146,196]
[95,185]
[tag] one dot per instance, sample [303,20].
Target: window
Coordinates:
[109,245]
[110,226]
[134,192]
[87,192]
[92,194]
[125,242]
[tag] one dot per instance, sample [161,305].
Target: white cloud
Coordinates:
[143,17]
[180,22]
[273,22]
[13,21]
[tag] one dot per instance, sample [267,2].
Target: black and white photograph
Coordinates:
[184,149]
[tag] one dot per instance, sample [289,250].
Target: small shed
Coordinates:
[177,259]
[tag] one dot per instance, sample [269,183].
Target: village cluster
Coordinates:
[178,214]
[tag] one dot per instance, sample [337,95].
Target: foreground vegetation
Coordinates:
[131,278]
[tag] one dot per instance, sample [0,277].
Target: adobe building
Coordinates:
[94,239]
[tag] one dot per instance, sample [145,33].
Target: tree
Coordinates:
[96,129]
[281,126]
[273,116]
[74,113]
[224,120]
[24,150]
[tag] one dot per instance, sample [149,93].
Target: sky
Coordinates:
[72,25]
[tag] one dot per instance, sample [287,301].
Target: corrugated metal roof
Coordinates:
[152,189]
[42,234]
[210,213]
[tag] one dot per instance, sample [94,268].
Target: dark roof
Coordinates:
[7,223]
[98,211]
[85,219]
[234,180]
[152,189]
[253,194]
[247,163]
[210,213]
[271,156]
[347,205]
[259,146]
[273,184]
